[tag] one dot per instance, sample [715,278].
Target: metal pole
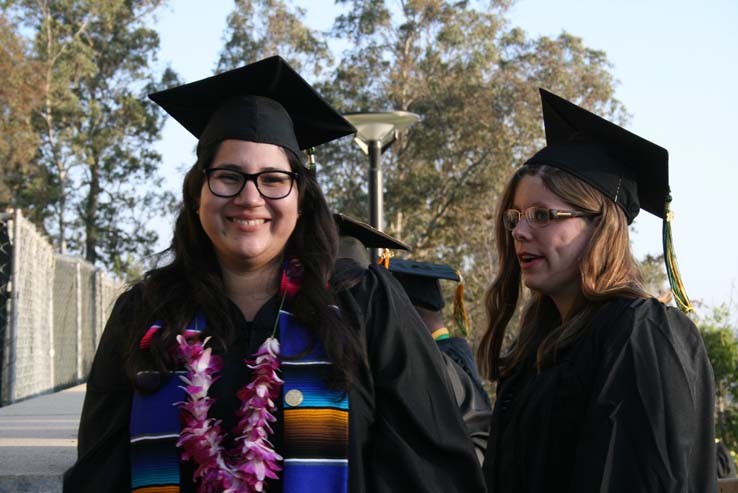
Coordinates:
[376,203]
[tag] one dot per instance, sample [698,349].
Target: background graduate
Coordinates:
[285,391]
[603,388]
[421,281]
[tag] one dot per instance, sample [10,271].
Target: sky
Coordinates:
[676,63]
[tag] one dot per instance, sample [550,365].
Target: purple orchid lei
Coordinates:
[245,467]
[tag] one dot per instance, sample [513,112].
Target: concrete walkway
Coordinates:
[38,441]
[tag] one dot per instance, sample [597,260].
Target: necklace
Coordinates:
[252,460]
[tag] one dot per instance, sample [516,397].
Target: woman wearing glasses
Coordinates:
[602,388]
[251,362]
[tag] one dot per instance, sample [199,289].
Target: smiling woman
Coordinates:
[247,229]
[300,373]
[604,388]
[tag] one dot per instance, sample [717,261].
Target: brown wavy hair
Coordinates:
[192,281]
[608,269]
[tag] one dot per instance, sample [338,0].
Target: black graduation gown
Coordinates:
[459,351]
[405,431]
[473,405]
[629,408]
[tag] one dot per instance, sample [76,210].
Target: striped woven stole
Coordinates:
[154,430]
[315,427]
[316,418]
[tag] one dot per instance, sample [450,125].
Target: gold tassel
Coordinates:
[384,259]
[460,315]
[672,271]
[310,158]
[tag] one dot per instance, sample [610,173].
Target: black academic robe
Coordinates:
[629,408]
[459,351]
[405,431]
[473,405]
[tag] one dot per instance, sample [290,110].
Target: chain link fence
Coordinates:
[52,312]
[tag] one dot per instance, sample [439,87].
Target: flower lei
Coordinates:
[245,467]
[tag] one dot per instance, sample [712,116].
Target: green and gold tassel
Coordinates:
[672,271]
[311,158]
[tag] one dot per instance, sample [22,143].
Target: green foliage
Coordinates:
[721,342]
[722,345]
[20,94]
[258,29]
[95,125]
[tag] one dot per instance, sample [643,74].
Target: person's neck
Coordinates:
[251,287]
[569,303]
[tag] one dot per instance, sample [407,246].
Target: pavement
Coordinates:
[38,441]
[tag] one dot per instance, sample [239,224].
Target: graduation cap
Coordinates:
[356,236]
[266,101]
[630,170]
[421,281]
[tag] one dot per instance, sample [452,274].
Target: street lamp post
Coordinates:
[376,131]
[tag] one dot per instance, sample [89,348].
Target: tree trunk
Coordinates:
[90,218]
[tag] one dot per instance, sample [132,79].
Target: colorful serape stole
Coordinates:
[154,429]
[316,420]
[154,433]
[316,417]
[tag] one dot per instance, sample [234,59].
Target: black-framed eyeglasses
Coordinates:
[539,217]
[228,182]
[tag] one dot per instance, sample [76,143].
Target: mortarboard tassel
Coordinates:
[672,271]
[384,259]
[310,151]
[460,315]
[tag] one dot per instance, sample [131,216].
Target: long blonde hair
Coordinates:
[607,269]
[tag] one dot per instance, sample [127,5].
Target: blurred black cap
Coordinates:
[266,101]
[628,169]
[356,236]
[421,281]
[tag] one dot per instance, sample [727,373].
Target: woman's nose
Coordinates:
[521,231]
[249,195]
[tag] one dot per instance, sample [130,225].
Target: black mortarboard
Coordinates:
[628,169]
[421,281]
[356,236]
[266,101]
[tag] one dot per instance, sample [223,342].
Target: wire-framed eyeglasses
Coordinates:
[228,182]
[539,217]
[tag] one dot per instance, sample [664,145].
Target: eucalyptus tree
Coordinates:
[95,126]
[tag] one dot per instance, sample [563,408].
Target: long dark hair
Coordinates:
[192,281]
[607,269]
